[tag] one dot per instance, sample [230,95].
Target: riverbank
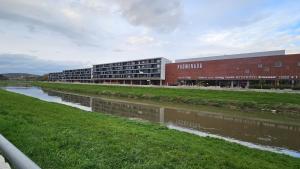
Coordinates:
[15,83]
[238,100]
[58,136]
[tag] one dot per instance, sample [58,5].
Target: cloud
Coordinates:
[19,63]
[160,15]
[71,14]
[224,13]
[39,16]
[140,40]
[118,50]
[97,31]
[273,32]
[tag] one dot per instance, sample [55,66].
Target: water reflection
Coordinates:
[243,130]
[251,130]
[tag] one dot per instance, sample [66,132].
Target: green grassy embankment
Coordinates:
[60,137]
[240,100]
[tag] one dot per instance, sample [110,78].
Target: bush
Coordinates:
[296,88]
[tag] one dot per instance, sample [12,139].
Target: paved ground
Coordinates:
[3,164]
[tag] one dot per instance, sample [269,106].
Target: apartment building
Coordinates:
[56,76]
[143,72]
[78,75]
[269,69]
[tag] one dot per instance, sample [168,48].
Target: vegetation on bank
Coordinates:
[58,136]
[240,100]
[15,83]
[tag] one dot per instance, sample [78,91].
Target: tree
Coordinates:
[2,77]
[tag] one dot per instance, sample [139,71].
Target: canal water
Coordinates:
[260,133]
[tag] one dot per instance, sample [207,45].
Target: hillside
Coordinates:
[20,76]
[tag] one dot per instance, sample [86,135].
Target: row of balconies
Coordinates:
[77,76]
[133,63]
[107,76]
[129,71]
[129,76]
[70,78]
[104,70]
[128,67]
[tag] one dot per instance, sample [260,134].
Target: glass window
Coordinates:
[298,64]
[260,65]
[278,64]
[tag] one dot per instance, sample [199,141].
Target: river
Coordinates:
[260,133]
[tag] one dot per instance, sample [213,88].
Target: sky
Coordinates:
[42,36]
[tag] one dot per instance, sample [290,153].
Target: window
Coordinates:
[298,64]
[278,64]
[247,71]
[266,69]
[260,65]
[186,66]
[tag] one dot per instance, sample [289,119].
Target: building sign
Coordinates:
[189,66]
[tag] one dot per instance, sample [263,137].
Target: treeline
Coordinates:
[23,76]
[2,77]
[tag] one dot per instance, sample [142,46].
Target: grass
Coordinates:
[240,100]
[61,137]
[14,83]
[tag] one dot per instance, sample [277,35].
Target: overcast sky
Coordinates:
[39,36]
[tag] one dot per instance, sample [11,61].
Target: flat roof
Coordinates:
[234,56]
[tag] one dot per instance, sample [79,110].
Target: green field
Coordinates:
[57,136]
[241,100]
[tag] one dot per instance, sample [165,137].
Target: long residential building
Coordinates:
[145,71]
[75,75]
[78,75]
[270,69]
[56,76]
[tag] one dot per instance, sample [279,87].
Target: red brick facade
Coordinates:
[280,67]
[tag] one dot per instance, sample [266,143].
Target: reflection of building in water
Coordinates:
[256,131]
[125,109]
[241,128]
[82,100]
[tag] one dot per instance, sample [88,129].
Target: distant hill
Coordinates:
[20,76]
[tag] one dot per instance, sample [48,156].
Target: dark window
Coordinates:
[278,64]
